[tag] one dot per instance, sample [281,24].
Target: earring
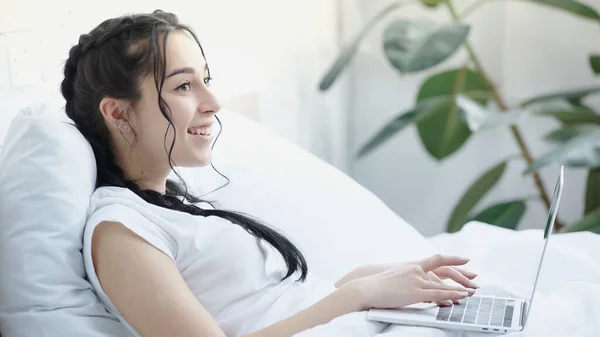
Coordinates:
[122,126]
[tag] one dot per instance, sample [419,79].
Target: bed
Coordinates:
[47,172]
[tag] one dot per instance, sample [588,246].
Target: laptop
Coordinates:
[476,313]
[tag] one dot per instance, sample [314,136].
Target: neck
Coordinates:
[144,171]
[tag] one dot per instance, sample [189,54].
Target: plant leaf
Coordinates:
[571,6]
[595,63]
[592,190]
[476,191]
[400,122]
[506,214]
[568,133]
[573,96]
[590,222]
[349,50]
[481,118]
[566,112]
[339,64]
[431,3]
[578,146]
[413,46]
[444,130]
[474,114]
[575,115]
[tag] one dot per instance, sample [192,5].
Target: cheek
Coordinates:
[151,132]
[182,113]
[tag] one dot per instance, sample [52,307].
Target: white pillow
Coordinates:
[47,175]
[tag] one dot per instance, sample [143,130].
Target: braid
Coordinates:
[68,84]
[98,37]
[108,30]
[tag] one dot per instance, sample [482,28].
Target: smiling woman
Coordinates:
[161,260]
[137,89]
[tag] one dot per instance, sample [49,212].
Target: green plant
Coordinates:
[454,104]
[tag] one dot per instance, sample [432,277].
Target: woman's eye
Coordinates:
[185,87]
[207,80]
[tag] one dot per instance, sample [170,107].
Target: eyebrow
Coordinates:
[185,70]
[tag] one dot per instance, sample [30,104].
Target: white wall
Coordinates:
[266,57]
[528,50]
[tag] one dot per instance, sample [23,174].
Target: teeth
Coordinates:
[206,131]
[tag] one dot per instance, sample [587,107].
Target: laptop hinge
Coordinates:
[523,313]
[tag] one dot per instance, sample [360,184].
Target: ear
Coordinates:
[113,111]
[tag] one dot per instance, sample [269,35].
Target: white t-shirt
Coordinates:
[236,277]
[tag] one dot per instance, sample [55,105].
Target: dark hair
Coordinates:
[111,61]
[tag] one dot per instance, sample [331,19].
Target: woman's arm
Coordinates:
[361,272]
[147,288]
[342,301]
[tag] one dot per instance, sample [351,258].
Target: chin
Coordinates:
[200,161]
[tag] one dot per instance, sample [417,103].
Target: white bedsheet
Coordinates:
[567,299]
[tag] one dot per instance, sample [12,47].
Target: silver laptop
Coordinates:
[476,313]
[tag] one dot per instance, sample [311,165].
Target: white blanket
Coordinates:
[567,298]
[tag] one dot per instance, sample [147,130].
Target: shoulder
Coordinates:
[118,211]
[121,204]
[114,237]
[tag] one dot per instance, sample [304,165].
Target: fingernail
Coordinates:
[463,294]
[466,259]
[471,291]
[473,285]
[448,302]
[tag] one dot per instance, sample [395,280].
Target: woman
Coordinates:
[167,264]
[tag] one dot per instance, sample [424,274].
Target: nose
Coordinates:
[209,103]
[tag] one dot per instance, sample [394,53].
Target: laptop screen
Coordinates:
[548,231]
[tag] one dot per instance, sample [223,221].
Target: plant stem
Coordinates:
[516,132]
[472,7]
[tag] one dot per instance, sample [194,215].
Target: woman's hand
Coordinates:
[458,275]
[412,283]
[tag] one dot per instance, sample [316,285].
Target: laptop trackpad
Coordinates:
[420,309]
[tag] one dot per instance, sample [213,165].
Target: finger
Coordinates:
[445,303]
[456,276]
[438,295]
[449,287]
[438,260]
[468,274]
[433,277]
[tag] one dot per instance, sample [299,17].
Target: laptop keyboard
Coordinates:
[479,310]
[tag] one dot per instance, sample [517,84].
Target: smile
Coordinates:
[200,131]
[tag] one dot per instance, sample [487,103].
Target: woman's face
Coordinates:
[192,108]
